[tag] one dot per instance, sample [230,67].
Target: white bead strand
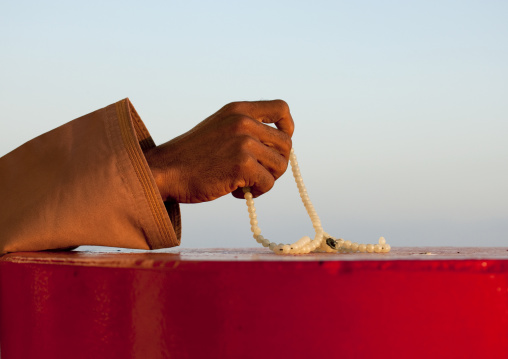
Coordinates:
[322,241]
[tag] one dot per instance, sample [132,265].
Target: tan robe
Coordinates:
[85,183]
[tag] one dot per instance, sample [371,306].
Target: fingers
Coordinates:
[243,125]
[276,112]
[269,147]
[255,176]
[257,166]
[273,138]
[271,159]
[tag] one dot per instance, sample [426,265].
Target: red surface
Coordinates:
[162,305]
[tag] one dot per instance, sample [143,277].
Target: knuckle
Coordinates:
[285,113]
[281,168]
[283,105]
[288,144]
[292,127]
[241,124]
[234,107]
[245,143]
[284,145]
[244,162]
[284,166]
[268,183]
[228,107]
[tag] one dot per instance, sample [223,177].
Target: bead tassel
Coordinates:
[322,241]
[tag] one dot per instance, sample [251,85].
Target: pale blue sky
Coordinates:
[401,107]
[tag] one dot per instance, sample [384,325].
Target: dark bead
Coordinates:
[332,243]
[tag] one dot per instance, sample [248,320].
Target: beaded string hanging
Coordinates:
[322,242]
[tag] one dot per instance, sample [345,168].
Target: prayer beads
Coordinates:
[322,241]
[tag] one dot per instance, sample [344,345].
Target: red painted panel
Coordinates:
[252,309]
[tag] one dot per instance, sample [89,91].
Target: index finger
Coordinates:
[275,111]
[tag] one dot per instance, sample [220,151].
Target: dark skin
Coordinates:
[231,149]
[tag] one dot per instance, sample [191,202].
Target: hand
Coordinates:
[229,150]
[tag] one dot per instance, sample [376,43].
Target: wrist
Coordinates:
[151,156]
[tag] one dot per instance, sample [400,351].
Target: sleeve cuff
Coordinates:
[165,217]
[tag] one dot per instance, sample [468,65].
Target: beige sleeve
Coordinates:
[85,183]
